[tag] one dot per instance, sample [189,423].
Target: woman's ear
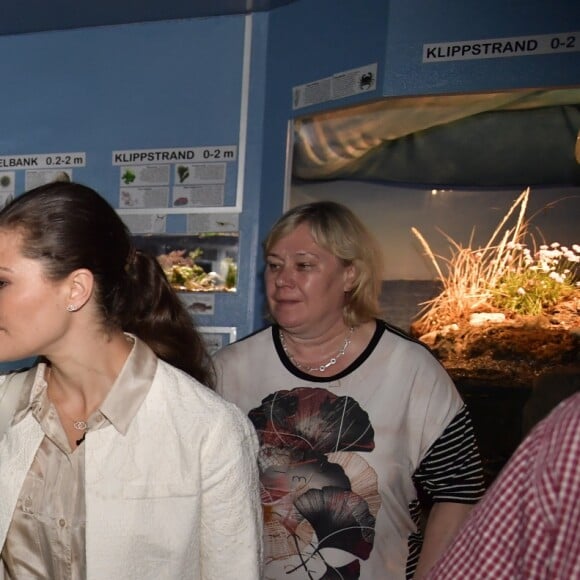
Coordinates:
[350,275]
[80,288]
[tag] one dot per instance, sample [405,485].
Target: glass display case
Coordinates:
[205,262]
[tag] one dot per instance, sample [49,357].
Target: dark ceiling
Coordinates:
[23,16]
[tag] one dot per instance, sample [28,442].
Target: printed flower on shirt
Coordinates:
[320,497]
[313,419]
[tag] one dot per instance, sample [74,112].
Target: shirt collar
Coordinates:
[131,386]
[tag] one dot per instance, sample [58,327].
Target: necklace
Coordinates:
[78,424]
[321,368]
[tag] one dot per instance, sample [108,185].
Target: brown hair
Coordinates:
[69,226]
[338,230]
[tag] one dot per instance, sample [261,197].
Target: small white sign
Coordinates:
[135,175]
[215,337]
[209,195]
[7,181]
[143,197]
[502,47]
[175,155]
[145,224]
[338,86]
[223,222]
[186,173]
[37,177]
[198,302]
[43,161]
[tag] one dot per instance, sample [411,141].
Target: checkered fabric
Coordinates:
[528,524]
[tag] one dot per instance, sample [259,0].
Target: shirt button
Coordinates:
[62,522]
[98,417]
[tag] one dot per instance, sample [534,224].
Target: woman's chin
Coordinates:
[288,322]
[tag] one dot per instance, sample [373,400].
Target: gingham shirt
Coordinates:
[528,524]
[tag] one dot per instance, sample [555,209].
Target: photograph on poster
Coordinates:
[6,186]
[205,262]
[175,179]
[198,302]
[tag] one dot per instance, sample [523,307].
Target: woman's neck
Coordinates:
[81,380]
[328,352]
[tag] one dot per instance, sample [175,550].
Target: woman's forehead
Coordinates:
[299,239]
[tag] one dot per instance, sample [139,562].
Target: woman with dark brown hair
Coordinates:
[117,460]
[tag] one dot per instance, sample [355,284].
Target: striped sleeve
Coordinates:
[451,470]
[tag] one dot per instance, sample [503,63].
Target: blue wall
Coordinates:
[414,23]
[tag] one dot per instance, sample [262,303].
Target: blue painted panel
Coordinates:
[310,40]
[161,85]
[415,23]
[37,15]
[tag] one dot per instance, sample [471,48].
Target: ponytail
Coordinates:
[152,310]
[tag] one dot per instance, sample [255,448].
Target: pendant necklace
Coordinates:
[78,424]
[322,367]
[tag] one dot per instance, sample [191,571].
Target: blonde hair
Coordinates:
[338,230]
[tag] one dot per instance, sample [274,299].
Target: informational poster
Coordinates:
[198,303]
[7,180]
[215,337]
[38,169]
[174,180]
[204,222]
[341,85]
[145,223]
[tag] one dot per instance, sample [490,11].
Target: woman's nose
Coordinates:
[284,278]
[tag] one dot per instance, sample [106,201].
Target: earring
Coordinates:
[71,308]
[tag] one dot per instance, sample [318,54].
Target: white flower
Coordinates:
[576,248]
[555,245]
[521,291]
